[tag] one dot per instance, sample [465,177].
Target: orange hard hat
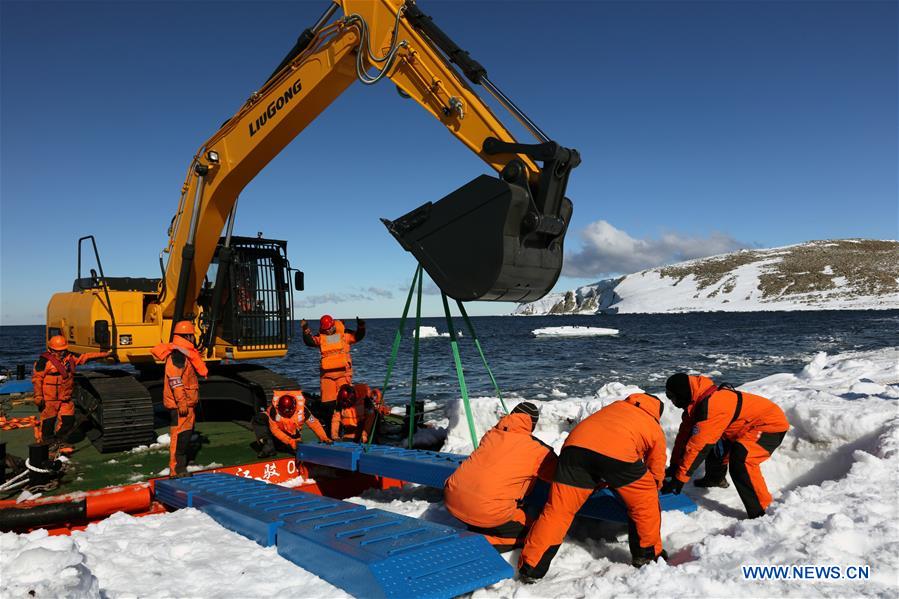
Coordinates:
[326,322]
[346,394]
[184,327]
[287,406]
[58,343]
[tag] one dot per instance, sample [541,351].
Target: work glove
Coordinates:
[40,405]
[327,441]
[672,485]
[183,410]
[303,324]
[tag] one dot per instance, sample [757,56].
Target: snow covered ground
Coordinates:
[835,480]
[573,332]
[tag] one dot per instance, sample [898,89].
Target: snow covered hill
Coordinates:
[818,275]
[834,481]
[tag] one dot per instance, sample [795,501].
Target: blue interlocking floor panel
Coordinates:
[430,468]
[369,553]
[337,455]
[380,554]
[16,386]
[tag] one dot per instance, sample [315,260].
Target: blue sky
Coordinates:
[703,126]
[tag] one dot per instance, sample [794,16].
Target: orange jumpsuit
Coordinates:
[53,378]
[180,395]
[749,427]
[289,431]
[336,368]
[353,421]
[622,446]
[487,491]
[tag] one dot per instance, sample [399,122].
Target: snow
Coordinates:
[574,331]
[738,290]
[432,333]
[834,482]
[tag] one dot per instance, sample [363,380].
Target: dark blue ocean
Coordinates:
[732,347]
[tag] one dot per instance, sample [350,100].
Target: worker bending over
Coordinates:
[488,490]
[621,446]
[284,421]
[722,426]
[53,378]
[354,417]
[181,391]
[334,341]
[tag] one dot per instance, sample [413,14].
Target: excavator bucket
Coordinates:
[475,245]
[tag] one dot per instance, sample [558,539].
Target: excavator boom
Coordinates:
[512,226]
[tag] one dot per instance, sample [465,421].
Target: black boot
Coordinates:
[646,556]
[266,448]
[706,483]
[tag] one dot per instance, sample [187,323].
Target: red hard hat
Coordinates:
[326,322]
[58,343]
[185,327]
[346,394]
[287,406]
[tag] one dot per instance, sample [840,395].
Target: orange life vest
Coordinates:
[335,349]
[293,426]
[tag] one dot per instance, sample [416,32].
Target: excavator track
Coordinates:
[119,407]
[262,380]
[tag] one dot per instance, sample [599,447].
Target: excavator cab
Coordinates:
[495,239]
[254,306]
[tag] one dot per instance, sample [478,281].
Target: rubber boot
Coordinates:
[266,448]
[645,557]
[706,483]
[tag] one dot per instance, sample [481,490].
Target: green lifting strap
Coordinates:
[414,394]
[477,344]
[393,352]
[458,360]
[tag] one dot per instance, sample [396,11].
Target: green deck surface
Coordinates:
[220,444]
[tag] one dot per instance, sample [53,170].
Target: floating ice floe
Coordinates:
[573,332]
[432,333]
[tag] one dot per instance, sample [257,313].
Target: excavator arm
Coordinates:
[494,238]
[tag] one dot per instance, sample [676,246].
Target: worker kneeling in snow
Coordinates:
[487,491]
[284,421]
[354,415]
[721,425]
[621,446]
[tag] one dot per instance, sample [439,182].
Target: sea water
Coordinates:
[732,347]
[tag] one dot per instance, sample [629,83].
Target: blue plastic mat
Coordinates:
[367,552]
[337,455]
[380,554]
[16,386]
[431,468]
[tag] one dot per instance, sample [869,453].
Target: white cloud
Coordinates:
[610,251]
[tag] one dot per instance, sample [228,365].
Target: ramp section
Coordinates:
[367,552]
[336,455]
[432,468]
[429,468]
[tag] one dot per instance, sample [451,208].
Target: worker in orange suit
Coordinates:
[621,446]
[488,490]
[283,422]
[724,427]
[181,391]
[334,341]
[53,379]
[353,417]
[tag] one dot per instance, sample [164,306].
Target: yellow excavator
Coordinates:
[496,238]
